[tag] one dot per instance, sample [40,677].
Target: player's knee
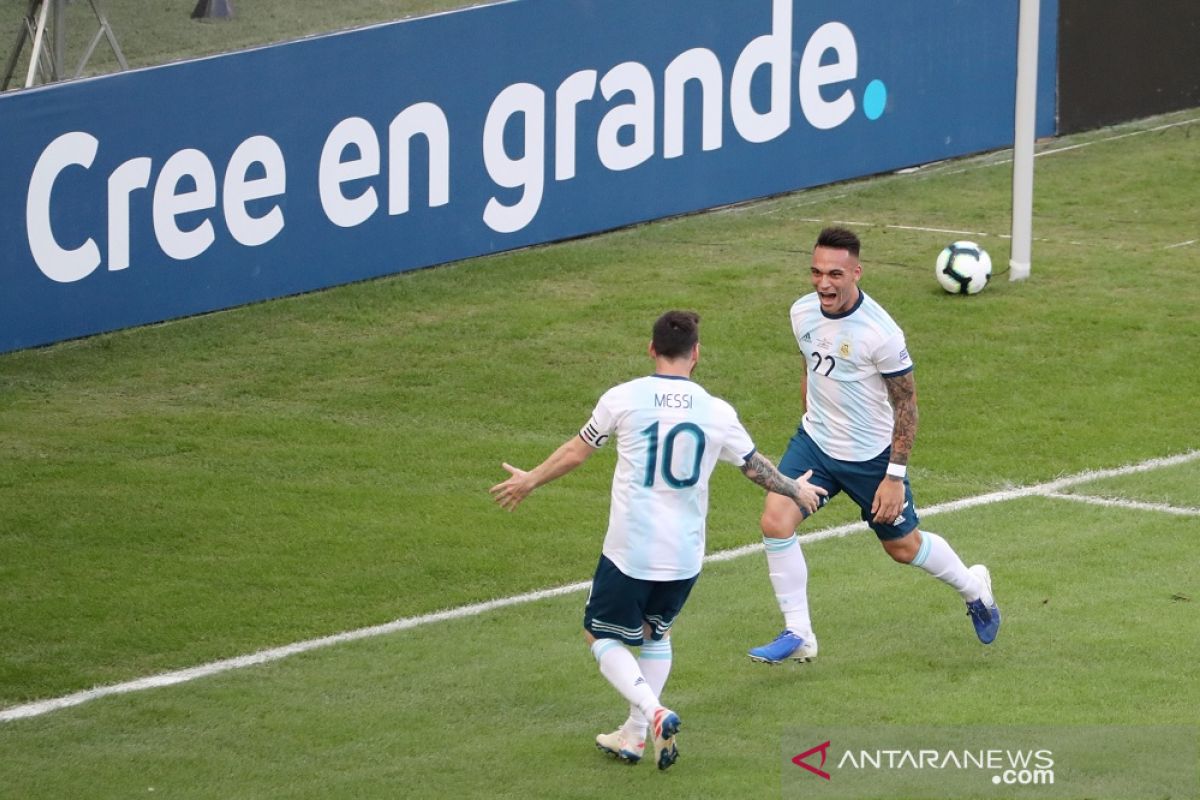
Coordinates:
[902,550]
[775,525]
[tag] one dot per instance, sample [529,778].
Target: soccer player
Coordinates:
[670,434]
[856,435]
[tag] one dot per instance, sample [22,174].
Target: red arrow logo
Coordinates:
[800,762]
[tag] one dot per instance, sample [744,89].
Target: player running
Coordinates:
[670,434]
[856,435]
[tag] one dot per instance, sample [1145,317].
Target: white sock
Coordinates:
[789,577]
[938,558]
[655,664]
[620,668]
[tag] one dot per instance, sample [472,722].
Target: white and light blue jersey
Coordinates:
[847,412]
[670,434]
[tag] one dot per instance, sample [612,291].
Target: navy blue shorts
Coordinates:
[859,479]
[618,604]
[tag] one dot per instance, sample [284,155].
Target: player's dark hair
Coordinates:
[676,333]
[839,239]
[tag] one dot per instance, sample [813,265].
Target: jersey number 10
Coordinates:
[668,452]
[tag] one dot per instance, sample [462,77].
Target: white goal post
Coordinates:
[1020,260]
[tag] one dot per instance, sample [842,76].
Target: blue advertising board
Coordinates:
[159,193]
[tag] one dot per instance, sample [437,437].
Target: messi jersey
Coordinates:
[847,412]
[670,434]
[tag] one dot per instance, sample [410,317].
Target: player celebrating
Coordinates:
[670,434]
[855,436]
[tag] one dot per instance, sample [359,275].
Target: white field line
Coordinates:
[922,229]
[1127,504]
[1048,489]
[936,230]
[1052,151]
[918,228]
[980,161]
[991,160]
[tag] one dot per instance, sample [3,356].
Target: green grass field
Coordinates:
[207,488]
[155,33]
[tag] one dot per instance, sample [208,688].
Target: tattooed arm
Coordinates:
[889,497]
[902,393]
[759,469]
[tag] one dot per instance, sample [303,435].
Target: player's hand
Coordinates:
[889,501]
[511,492]
[809,495]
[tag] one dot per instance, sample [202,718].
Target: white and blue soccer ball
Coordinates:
[964,268]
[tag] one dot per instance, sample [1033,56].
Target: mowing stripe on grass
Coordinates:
[1048,489]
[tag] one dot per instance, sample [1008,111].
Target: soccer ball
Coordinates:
[963,268]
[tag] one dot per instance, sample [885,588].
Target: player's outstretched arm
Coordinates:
[520,483]
[759,469]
